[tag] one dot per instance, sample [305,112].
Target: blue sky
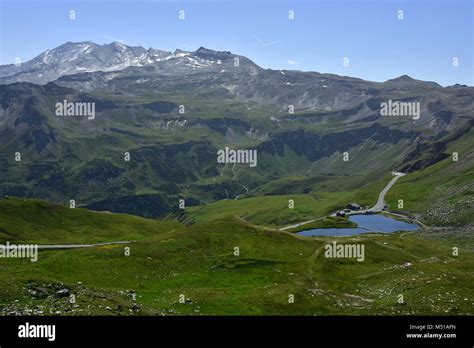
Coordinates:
[378,44]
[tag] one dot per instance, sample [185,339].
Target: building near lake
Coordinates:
[353,206]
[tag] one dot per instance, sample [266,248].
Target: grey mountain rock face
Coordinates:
[87,57]
[71,58]
[89,67]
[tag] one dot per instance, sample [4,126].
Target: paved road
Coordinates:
[298,225]
[378,207]
[74,246]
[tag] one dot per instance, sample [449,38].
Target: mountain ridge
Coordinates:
[132,56]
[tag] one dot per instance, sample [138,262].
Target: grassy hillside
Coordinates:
[199,262]
[274,210]
[442,194]
[35,221]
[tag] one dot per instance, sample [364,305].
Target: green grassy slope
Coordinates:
[36,221]
[272,211]
[442,194]
[199,262]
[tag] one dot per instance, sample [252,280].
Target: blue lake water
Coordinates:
[365,223]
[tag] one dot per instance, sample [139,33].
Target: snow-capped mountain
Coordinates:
[87,67]
[72,58]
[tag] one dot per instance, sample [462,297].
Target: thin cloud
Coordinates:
[113,39]
[266,44]
[186,45]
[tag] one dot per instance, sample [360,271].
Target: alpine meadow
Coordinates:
[218,173]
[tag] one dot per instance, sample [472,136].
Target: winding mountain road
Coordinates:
[378,207]
[299,224]
[74,246]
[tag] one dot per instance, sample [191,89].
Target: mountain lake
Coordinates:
[365,224]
